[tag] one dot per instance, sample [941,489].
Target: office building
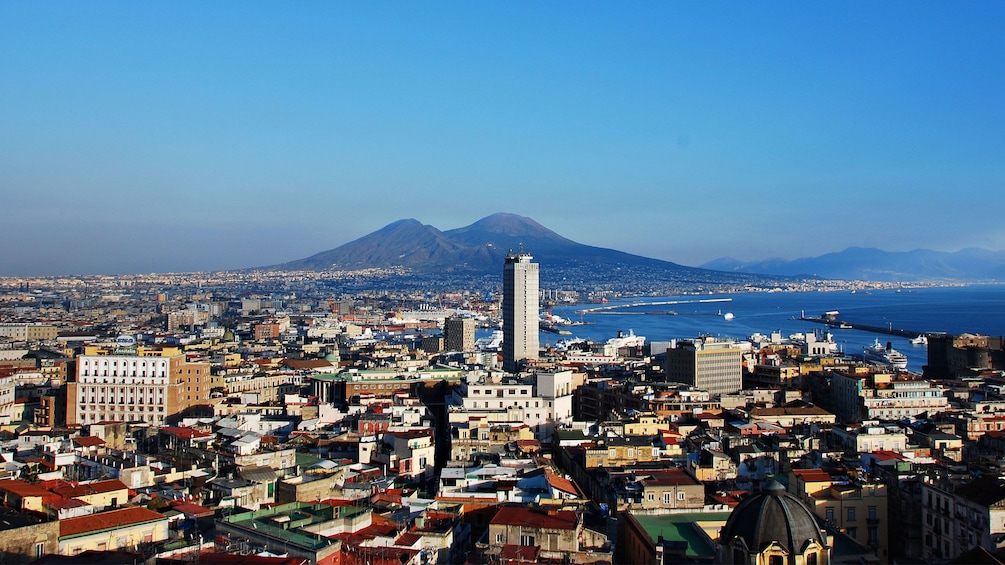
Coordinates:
[459,334]
[707,364]
[520,311]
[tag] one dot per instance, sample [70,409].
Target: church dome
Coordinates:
[772,516]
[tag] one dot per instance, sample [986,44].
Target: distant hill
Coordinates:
[859,263]
[479,249]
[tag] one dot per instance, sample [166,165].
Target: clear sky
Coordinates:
[181,136]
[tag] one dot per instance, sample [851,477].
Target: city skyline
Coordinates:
[175,138]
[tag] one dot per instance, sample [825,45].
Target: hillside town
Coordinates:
[243,420]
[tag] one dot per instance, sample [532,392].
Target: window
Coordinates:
[40,550]
[776,560]
[872,512]
[851,514]
[829,514]
[499,538]
[667,497]
[527,541]
[680,495]
[811,559]
[651,496]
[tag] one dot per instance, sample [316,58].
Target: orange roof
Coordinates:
[22,488]
[72,491]
[813,475]
[561,483]
[107,521]
[535,518]
[88,441]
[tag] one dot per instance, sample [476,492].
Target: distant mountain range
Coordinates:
[479,250]
[858,263]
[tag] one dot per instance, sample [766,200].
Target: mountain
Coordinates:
[479,250]
[859,263]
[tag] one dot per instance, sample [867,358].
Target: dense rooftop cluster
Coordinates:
[273,419]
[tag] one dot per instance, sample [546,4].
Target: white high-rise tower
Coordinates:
[520,310]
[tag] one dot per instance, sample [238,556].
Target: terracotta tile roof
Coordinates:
[561,483]
[813,475]
[107,521]
[669,477]
[22,488]
[88,441]
[407,539]
[535,518]
[520,553]
[186,433]
[886,455]
[71,490]
[192,509]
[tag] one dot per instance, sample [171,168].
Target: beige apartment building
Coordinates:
[857,508]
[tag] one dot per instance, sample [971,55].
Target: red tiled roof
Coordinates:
[22,488]
[192,509]
[886,455]
[535,518]
[64,503]
[813,475]
[186,433]
[107,521]
[88,441]
[407,539]
[70,490]
[520,553]
[669,477]
[561,483]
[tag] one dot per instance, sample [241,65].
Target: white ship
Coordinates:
[492,343]
[876,353]
[630,340]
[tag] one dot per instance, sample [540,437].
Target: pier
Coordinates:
[842,324]
[609,308]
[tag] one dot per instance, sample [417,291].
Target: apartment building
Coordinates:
[958,517]
[859,394]
[858,509]
[135,384]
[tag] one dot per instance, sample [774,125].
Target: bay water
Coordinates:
[978,309]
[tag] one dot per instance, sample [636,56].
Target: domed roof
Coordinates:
[772,516]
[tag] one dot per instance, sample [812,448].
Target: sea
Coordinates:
[977,309]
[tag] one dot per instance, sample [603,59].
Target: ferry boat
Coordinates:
[876,353]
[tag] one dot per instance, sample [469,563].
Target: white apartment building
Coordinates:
[540,404]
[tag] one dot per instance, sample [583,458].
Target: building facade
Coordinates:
[520,310]
[138,386]
[707,364]
[459,334]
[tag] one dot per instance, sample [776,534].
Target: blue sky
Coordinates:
[147,136]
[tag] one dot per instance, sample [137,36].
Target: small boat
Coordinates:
[921,340]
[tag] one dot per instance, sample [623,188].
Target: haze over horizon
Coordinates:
[182,137]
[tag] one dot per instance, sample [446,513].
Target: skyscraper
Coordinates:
[520,310]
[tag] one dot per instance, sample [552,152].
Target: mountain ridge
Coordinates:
[970,264]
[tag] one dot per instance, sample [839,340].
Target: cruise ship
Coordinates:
[876,353]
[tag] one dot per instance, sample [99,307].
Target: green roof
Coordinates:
[305,460]
[683,527]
